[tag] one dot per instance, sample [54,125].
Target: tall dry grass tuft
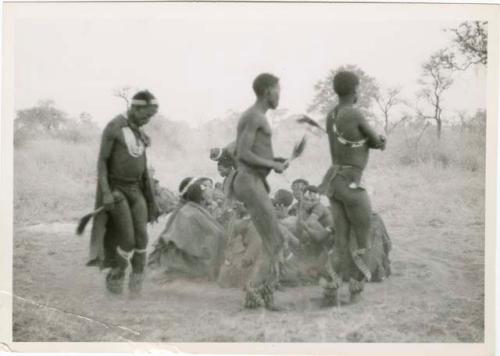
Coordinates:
[461,148]
[54,179]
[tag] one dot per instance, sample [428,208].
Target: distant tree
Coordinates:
[85,121]
[471,40]
[124,93]
[479,119]
[325,99]
[386,100]
[85,117]
[436,79]
[44,116]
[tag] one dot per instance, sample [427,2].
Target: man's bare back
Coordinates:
[351,126]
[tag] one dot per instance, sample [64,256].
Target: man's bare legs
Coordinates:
[250,189]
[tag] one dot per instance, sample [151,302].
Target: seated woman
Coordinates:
[191,245]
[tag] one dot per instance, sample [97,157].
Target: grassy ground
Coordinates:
[434,214]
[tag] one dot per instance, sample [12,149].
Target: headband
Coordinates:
[142,102]
[189,185]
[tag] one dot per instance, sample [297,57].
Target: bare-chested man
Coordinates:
[350,137]
[254,161]
[125,190]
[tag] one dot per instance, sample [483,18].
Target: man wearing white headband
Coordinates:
[119,235]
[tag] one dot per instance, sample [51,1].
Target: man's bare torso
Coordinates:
[262,144]
[121,164]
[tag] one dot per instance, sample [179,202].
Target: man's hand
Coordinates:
[108,201]
[280,165]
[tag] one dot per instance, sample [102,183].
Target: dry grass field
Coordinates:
[433,209]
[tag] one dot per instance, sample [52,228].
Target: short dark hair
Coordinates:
[284,197]
[345,82]
[193,193]
[146,96]
[263,82]
[311,188]
[300,180]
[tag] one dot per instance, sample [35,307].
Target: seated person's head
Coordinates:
[224,168]
[191,190]
[207,185]
[218,197]
[298,186]
[224,160]
[311,197]
[240,208]
[282,200]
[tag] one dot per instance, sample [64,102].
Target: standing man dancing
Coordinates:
[254,161]
[119,236]
[350,137]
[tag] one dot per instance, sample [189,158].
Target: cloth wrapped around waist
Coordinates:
[353,175]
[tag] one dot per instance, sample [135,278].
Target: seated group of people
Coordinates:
[211,236]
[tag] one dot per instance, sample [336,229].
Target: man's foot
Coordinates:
[328,302]
[135,283]
[355,289]
[280,287]
[115,280]
[253,299]
[330,297]
[269,303]
[273,307]
[355,298]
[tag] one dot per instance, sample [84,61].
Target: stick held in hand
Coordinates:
[85,220]
[298,149]
[304,119]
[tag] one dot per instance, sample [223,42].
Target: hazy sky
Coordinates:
[199,66]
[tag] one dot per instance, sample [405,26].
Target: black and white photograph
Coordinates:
[265,173]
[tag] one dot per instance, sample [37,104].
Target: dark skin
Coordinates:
[311,225]
[255,160]
[353,127]
[297,189]
[139,116]
[223,170]
[253,142]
